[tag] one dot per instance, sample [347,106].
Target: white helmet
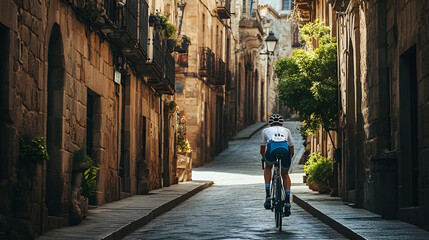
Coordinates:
[275,118]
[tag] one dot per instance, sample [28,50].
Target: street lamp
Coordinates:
[271,41]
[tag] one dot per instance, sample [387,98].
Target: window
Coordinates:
[295,38]
[204,29]
[287,4]
[244,6]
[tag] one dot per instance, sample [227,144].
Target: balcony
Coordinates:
[220,75]
[303,8]
[224,9]
[168,82]
[340,5]
[152,68]
[160,65]
[165,84]
[127,28]
[207,63]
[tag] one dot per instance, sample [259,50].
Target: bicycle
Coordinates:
[277,192]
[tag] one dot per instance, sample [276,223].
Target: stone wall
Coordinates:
[283,26]
[57,82]
[202,102]
[382,55]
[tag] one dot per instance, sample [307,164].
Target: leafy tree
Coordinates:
[308,79]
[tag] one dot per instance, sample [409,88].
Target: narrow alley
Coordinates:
[233,207]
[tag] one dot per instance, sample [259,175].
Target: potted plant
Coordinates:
[171,44]
[319,170]
[182,144]
[155,19]
[183,44]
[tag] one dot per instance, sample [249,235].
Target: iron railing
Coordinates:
[220,72]
[144,24]
[207,68]
[157,50]
[170,69]
[123,16]
[224,9]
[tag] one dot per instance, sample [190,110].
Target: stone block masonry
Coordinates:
[387,39]
[57,83]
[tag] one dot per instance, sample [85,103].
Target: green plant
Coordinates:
[308,79]
[80,156]
[182,142]
[171,106]
[89,178]
[89,182]
[169,31]
[319,169]
[33,150]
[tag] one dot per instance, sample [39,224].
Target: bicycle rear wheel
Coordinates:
[279,217]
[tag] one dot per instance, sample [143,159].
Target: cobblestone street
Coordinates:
[233,207]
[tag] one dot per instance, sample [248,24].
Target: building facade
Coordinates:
[82,75]
[276,18]
[247,86]
[203,71]
[382,48]
[382,133]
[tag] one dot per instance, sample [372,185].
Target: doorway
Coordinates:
[408,125]
[4,102]
[54,137]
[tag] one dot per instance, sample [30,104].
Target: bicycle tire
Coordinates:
[276,217]
[279,207]
[279,215]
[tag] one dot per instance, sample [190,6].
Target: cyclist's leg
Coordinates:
[267,172]
[286,178]
[267,178]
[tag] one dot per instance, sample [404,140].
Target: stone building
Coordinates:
[83,75]
[383,49]
[382,133]
[203,70]
[276,18]
[247,100]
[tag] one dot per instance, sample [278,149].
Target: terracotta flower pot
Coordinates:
[323,188]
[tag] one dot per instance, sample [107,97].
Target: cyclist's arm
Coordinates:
[262,151]
[263,143]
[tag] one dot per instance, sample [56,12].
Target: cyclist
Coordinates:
[277,139]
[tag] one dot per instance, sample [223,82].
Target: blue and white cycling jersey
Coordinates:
[277,134]
[278,140]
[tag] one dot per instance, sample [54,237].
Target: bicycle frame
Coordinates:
[276,174]
[277,193]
